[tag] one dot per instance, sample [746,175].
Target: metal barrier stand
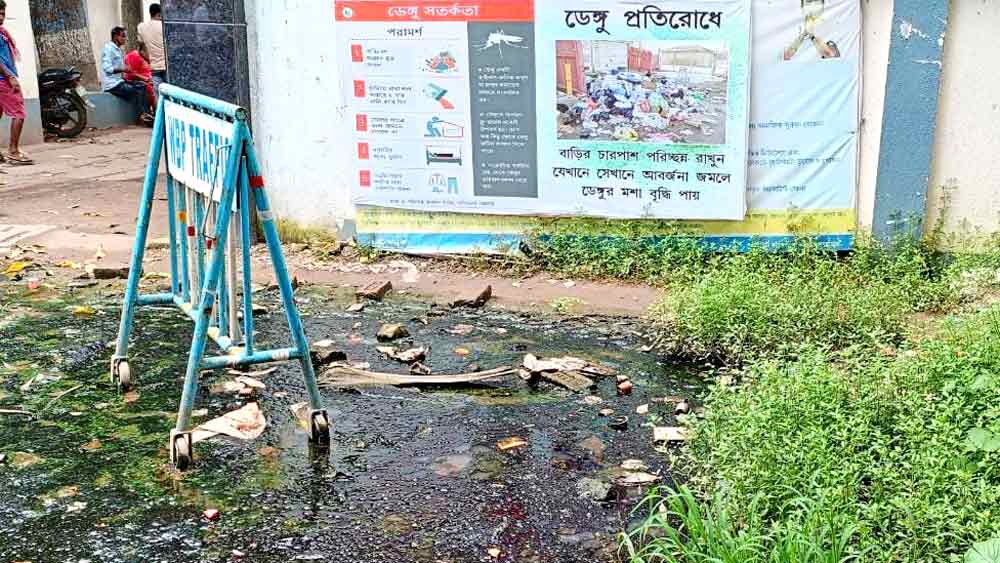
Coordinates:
[206,291]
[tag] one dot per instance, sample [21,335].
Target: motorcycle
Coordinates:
[64,102]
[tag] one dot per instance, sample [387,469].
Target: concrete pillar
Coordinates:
[206,43]
[910,116]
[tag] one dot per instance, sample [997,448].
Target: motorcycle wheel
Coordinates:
[65,115]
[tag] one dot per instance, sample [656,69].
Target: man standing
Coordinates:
[151,33]
[11,97]
[112,79]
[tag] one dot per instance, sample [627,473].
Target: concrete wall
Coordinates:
[297,126]
[298,110]
[967,143]
[19,25]
[102,15]
[876,29]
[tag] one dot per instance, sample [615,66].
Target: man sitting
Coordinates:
[112,76]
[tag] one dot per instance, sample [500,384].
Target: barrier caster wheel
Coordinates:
[121,375]
[319,428]
[180,450]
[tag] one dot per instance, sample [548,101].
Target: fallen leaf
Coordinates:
[268,451]
[494,552]
[92,445]
[131,396]
[462,351]
[67,491]
[24,460]
[15,268]
[84,311]
[461,330]
[511,443]
[68,264]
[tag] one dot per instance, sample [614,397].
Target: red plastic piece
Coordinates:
[256,181]
[190,230]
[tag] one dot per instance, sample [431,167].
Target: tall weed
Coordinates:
[904,451]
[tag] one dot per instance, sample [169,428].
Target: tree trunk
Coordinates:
[62,37]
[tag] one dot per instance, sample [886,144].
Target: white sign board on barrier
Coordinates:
[194,140]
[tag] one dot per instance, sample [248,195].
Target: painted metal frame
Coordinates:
[213,303]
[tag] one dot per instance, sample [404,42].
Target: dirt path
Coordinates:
[82,196]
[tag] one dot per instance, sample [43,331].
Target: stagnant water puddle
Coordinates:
[412,475]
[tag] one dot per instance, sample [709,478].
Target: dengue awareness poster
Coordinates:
[558,108]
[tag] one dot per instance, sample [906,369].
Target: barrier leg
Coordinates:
[319,421]
[180,445]
[121,372]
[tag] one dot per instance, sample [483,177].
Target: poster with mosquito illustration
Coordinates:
[564,107]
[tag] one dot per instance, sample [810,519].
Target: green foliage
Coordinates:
[767,304]
[682,529]
[985,552]
[898,450]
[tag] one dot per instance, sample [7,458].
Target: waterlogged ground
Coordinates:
[411,475]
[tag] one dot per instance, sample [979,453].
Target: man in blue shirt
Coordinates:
[112,79]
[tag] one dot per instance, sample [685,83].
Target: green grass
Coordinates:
[767,304]
[900,453]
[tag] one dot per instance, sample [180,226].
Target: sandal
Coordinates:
[18,158]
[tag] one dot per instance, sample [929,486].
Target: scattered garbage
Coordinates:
[346,377]
[625,388]
[635,478]
[390,332]
[406,356]
[211,514]
[594,489]
[461,330]
[682,408]
[642,409]
[111,273]
[475,300]
[651,107]
[594,446]
[420,369]
[511,443]
[569,372]
[592,400]
[325,352]
[669,434]
[618,423]
[356,308]
[634,465]
[246,423]
[606,412]
[375,291]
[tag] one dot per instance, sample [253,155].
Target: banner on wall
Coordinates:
[618,110]
[803,132]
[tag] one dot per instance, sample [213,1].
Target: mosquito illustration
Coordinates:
[498,39]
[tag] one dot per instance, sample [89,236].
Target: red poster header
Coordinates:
[435,11]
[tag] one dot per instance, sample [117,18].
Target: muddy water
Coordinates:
[412,475]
